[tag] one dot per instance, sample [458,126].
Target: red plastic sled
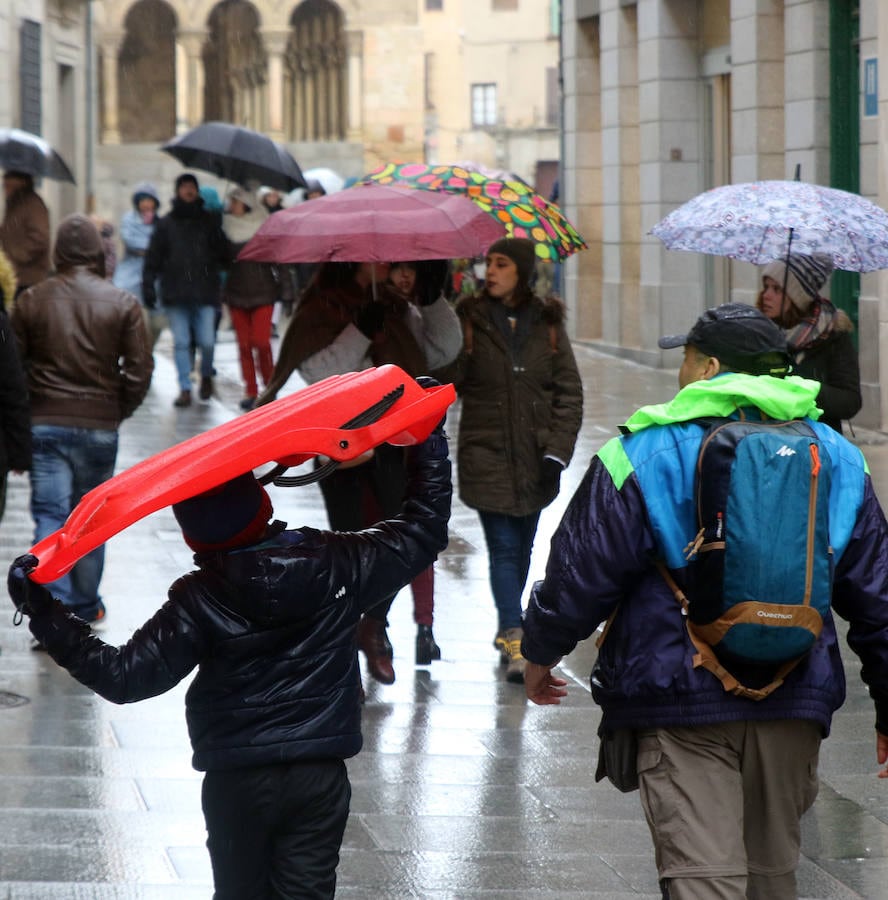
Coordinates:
[340,417]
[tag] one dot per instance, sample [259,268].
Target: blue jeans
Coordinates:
[199,321]
[68,463]
[509,545]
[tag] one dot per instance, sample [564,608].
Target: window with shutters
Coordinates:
[29,76]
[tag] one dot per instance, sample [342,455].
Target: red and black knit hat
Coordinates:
[235,514]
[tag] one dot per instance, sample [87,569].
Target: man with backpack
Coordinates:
[713,538]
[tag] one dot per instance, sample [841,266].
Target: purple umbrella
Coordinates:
[761,221]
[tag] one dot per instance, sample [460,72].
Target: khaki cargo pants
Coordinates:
[723,803]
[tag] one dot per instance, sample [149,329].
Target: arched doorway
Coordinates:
[146,73]
[315,81]
[235,65]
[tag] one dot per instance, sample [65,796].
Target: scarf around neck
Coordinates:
[816,327]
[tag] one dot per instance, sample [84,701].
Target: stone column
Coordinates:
[670,170]
[354,48]
[111,43]
[190,82]
[619,165]
[581,174]
[276,46]
[807,89]
[757,91]
[759,108]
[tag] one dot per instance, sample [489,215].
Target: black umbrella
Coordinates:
[236,154]
[21,151]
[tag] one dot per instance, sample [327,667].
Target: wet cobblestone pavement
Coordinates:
[463,789]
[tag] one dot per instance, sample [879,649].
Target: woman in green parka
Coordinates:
[522,404]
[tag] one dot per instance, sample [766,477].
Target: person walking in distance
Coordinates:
[24,231]
[87,356]
[187,253]
[136,228]
[250,292]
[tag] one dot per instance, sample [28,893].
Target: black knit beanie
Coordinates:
[522,252]
[184,178]
[235,514]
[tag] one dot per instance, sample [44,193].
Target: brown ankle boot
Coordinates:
[374,643]
[184,399]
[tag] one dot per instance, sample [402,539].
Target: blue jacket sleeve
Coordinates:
[600,550]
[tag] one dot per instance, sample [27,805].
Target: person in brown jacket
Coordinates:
[24,232]
[87,356]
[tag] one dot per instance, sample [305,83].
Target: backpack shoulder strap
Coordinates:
[705,655]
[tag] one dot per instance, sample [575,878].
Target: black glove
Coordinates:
[431,279]
[29,597]
[551,472]
[369,319]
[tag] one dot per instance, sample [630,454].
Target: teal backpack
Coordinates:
[759,577]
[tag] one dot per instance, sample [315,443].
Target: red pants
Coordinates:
[253,330]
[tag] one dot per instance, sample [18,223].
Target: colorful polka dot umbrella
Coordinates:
[522,211]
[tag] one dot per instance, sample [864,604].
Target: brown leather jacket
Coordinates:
[84,342]
[24,236]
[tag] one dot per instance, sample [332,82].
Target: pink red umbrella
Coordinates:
[375,223]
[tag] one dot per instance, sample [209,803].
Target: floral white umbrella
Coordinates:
[760,221]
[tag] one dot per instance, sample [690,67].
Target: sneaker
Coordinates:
[508,643]
[100,615]
[206,387]
[184,399]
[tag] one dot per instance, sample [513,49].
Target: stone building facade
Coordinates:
[44,85]
[667,98]
[345,84]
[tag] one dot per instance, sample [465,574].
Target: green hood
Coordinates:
[779,398]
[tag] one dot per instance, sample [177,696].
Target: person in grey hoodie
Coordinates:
[136,228]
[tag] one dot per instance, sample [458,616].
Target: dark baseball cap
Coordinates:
[739,336]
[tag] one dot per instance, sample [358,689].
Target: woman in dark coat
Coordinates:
[522,405]
[15,416]
[819,335]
